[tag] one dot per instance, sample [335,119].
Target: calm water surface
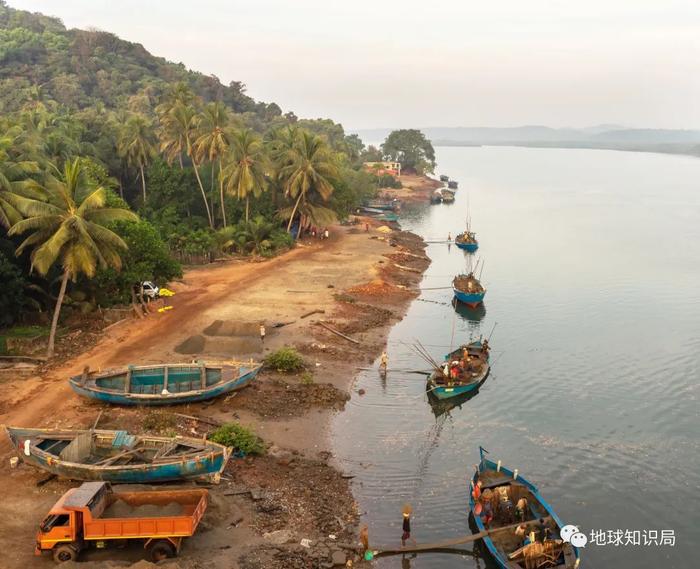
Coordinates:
[592,265]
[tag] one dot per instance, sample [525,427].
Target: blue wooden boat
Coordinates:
[470,373]
[468,289]
[452,184]
[467,241]
[379,214]
[117,456]
[503,488]
[165,384]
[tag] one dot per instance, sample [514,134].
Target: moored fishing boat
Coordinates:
[448,196]
[500,497]
[463,371]
[444,178]
[468,289]
[467,241]
[117,456]
[452,184]
[165,384]
[384,205]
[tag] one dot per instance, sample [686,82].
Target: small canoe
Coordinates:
[503,488]
[169,384]
[117,456]
[468,289]
[467,241]
[470,374]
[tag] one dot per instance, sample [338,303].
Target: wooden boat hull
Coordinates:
[207,463]
[92,390]
[498,555]
[472,299]
[470,247]
[456,390]
[451,391]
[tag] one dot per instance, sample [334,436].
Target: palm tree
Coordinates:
[15,184]
[307,173]
[69,229]
[136,145]
[245,172]
[178,128]
[212,142]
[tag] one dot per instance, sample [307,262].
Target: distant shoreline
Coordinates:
[692,150]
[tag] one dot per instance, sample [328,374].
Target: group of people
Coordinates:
[498,502]
[460,370]
[322,234]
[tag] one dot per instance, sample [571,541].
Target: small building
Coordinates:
[381,168]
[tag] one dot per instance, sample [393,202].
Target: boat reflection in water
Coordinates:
[444,406]
[472,314]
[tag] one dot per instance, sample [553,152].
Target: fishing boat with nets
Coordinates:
[468,289]
[530,538]
[463,371]
[165,384]
[467,241]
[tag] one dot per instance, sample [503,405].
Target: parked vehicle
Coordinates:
[150,290]
[93,515]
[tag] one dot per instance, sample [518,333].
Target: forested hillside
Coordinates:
[116,165]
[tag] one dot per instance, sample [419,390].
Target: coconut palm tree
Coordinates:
[178,129]
[212,142]
[307,176]
[245,172]
[136,145]
[70,229]
[15,184]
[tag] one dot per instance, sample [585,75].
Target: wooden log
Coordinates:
[388,550]
[334,331]
[407,269]
[317,311]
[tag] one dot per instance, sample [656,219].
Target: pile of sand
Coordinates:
[120,509]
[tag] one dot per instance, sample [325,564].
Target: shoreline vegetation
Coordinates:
[118,167]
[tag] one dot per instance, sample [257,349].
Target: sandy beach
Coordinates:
[358,282]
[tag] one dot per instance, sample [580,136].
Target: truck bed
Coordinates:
[126,515]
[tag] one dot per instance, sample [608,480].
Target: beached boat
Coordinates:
[168,384]
[465,370]
[500,492]
[448,196]
[378,214]
[467,241]
[384,205]
[117,456]
[468,289]
[452,184]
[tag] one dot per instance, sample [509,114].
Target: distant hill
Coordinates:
[612,137]
[42,60]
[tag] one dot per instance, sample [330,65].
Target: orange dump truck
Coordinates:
[94,515]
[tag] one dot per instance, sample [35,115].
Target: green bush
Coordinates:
[238,437]
[285,360]
[307,378]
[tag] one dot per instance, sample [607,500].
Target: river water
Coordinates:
[592,265]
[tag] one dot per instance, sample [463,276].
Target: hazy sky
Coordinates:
[430,63]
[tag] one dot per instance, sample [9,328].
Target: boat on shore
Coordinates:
[464,371]
[508,498]
[452,184]
[384,205]
[165,384]
[468,289]
[448,196]
[117,456]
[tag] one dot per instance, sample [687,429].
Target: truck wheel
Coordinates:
[63,553]
[160,550]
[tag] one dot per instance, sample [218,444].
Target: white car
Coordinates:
[150,289]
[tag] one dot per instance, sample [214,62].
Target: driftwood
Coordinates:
[408,269]
[317,311]
[211,422]
[334,331]
[114,324]
[34,359]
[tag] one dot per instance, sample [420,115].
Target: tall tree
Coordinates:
[15,184]
[307,173]
[70,229]
[177,132]
[212,142]
[244,173]
[411,149]
[136,145]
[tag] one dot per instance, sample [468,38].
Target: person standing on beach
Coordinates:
[262,333]
[326,234]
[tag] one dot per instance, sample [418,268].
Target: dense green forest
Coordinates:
[116,166]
